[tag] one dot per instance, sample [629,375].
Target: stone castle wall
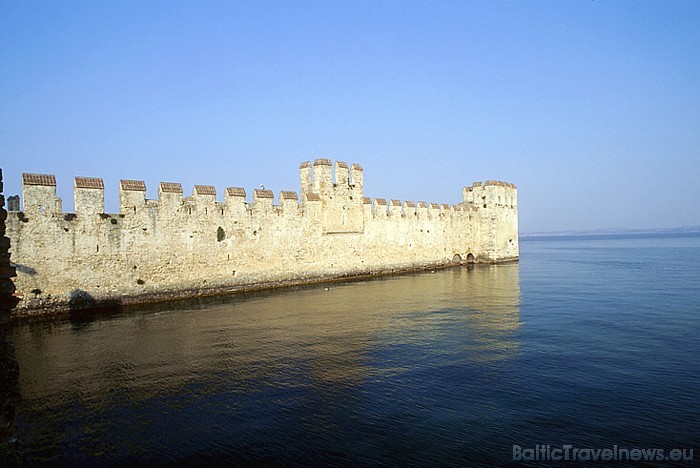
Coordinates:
[185,246]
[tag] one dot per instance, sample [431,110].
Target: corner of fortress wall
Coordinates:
[496,207]
[181,245]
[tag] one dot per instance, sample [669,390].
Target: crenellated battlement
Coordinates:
[181,245]
[259,194]
[90,183]
[89,195]
[39,194]
[339,186]
[491,194]
[46,180]
[395,209]
[324,178]
[205,190]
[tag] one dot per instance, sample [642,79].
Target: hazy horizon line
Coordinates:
[692,229]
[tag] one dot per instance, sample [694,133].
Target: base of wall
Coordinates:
[501,260]
[82,301]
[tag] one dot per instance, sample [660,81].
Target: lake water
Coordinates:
[592,342]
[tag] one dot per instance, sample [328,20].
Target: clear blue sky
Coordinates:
[591,107]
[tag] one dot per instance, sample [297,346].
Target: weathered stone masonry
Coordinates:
[177,247]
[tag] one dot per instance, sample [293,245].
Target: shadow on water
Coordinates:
[84,308]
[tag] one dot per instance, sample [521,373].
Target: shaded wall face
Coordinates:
[7,271]
[9,368]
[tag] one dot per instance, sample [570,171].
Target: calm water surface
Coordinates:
[588,341]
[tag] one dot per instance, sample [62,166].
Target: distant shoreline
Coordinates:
[612,233]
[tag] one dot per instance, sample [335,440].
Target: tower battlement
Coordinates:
[491,194]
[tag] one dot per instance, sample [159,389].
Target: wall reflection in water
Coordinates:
[317,356]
